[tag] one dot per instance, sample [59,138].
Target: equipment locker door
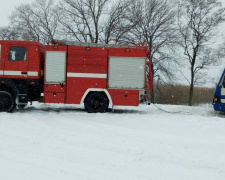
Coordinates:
[55,77]
[15,61]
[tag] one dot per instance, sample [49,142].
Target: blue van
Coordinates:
[219,95]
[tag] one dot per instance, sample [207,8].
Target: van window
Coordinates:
[17,54]
[223,82]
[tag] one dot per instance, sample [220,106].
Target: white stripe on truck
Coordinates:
[86,75]
[19,73]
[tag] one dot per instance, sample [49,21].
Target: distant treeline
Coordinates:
[178,94]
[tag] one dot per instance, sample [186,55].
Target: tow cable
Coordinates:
[165,110]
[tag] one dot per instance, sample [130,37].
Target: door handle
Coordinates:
[24,72]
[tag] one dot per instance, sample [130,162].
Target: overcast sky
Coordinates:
[7,6]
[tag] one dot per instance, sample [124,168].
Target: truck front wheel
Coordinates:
[96,102]
[7,102]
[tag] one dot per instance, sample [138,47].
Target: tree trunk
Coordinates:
[190,95]
[191,91]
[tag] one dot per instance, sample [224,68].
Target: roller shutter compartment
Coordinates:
[126,73]
[55,67]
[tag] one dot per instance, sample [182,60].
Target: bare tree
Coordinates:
[116,23]
[197,22]
[8,33]
[44,12]
[94,21]
[81,18]
[154,22]
[22,20]
[37,21]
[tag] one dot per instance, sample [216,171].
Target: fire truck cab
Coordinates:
[21,64]
[73,73]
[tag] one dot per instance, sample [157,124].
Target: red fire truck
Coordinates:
[73,73]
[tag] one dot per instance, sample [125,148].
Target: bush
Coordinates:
[178,94]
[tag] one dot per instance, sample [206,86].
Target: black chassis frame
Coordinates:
[22,90]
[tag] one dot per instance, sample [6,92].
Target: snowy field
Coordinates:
[56,142]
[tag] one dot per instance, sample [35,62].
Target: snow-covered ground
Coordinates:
[57,142]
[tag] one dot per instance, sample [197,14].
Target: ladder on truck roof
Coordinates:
[75,43]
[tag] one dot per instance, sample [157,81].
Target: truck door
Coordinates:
[55,75]
[15,61]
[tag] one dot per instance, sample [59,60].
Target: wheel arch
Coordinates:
[90,90]
[9,88]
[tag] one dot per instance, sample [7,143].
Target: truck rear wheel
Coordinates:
[96,102]
[7,102]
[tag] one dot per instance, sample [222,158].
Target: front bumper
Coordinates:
[219,106]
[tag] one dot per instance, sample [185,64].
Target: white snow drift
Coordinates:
[57,142]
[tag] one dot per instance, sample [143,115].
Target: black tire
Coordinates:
[96,102]
[21,106]
[7,102]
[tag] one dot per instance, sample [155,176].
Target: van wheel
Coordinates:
[96,102]
[7,102]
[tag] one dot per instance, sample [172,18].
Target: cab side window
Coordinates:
[17,54]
